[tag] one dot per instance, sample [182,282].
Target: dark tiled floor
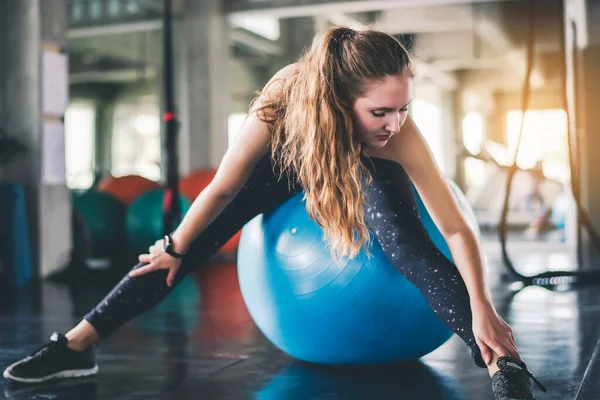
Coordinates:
[201,343]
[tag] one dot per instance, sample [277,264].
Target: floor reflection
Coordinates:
[79,389]
[413,380]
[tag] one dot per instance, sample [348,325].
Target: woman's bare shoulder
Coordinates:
[287,71]
[276,82]
[274,88]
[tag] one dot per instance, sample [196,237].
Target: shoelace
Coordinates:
[503,364]
[54,341]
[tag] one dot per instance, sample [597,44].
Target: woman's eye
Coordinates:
[405,109]
[377,114]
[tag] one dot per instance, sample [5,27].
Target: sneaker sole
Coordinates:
[70,373]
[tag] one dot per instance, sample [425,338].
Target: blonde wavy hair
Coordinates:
[313,133]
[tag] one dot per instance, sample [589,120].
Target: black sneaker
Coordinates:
[53,360]
[511,382]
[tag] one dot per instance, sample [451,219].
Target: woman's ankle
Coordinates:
[77,345]
[82,336]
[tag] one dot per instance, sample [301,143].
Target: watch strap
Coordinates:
[168,247]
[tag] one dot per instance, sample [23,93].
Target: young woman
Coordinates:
[335,125]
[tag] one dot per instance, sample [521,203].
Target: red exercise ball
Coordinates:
[224,316]
[127,188]
[191,186]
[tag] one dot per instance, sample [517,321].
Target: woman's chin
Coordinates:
[376,144]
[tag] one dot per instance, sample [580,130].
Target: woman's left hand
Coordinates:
[493,334]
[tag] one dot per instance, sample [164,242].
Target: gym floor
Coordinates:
[201,343]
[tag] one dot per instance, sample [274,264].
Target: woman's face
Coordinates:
[382,109]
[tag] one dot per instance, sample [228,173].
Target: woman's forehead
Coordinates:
[396,89]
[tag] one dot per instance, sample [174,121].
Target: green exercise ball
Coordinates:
[143,222]
[103,217]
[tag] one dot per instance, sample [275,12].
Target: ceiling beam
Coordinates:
[152,5]
[256,42]
[431,19]
[114,29]
[346,20]
[303,8]
[116,76]
[455,64]
[442,78]
[492,35]
[430,22]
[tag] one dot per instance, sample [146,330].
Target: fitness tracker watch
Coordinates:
[168,247]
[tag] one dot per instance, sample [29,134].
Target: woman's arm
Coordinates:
[250,145]
[492,333]
[236,166]
[412,151]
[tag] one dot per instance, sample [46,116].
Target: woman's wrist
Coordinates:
[482,301]
[178,242]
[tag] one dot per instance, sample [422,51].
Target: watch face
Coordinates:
[168,248]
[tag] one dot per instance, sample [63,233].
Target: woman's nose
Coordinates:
[393,123]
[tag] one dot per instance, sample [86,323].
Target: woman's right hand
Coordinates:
[158,259]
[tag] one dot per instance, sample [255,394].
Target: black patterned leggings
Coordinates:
[392,216]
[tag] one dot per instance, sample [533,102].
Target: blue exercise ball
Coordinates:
[358,311]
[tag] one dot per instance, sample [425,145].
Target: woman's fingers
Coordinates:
[507,349]
[171,276]
[155,261]
[512,350]
[143,270]
[499,349]
[511,345]
[156,249]
[486,352]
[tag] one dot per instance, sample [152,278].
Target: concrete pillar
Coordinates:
[296,35]
[457,120]
[437,124]
[495,124]
[201,69]
[583,69]
[28,30]
[103,139]
[451,136]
